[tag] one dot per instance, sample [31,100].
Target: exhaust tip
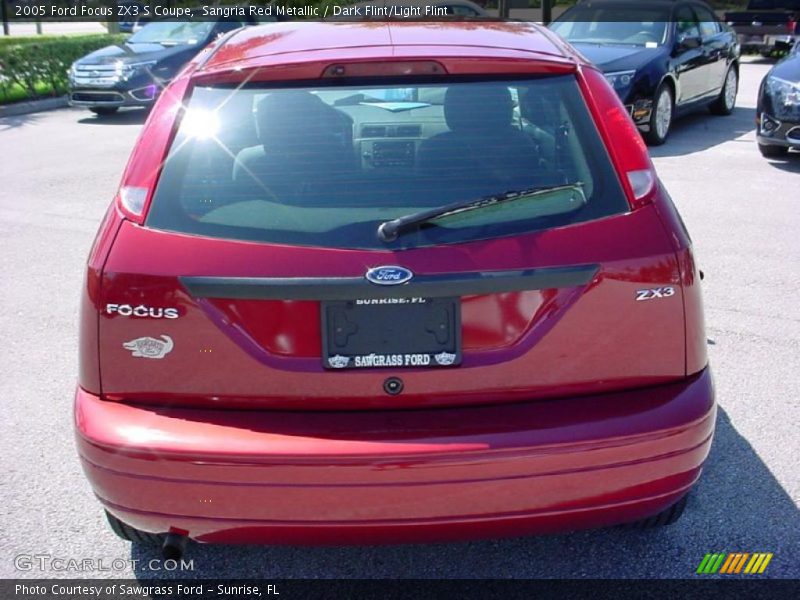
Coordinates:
[174,546]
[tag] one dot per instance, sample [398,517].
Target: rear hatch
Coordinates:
[259,279]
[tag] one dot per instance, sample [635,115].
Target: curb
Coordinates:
[24,108]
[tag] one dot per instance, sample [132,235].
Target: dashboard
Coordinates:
[387,135]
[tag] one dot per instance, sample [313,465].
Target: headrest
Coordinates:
[294,118]
[539,105]
[478,108]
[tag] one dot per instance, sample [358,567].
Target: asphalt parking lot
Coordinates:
[58,172]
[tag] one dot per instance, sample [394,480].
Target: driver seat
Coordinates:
[482,148]
[304,143]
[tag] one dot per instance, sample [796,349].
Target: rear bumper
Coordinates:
[396,476]
[767,42]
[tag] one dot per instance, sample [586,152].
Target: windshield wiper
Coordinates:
[389,231]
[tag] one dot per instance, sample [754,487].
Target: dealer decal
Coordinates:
[148,347]
[365,361]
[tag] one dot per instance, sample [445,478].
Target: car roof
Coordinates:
[293,42]
[638,3]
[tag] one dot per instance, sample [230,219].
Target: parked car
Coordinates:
[134,73]
[766,25]
[664,58]
[778,112]
[315,315]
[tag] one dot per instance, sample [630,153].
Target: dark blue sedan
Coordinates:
[664,58]
[778,113]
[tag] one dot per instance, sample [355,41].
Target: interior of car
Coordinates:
[331,158]
[296,142]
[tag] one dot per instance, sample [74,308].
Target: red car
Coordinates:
[384,282]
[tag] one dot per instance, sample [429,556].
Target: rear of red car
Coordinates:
[392,291]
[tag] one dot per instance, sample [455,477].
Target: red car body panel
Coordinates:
[574,406]
[294,43]
[634,252]
[391,476]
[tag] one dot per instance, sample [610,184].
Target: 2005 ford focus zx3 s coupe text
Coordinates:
[369,283]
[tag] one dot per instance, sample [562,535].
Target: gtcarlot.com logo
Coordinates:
[734,563]
[69,564]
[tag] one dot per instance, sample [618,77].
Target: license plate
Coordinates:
[94,82]
[391,333]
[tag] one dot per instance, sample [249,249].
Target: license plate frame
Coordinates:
[393,333]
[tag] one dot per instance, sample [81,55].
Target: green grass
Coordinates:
[41,63]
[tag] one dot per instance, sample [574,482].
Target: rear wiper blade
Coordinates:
[389,231]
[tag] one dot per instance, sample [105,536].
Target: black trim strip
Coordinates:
[424,286]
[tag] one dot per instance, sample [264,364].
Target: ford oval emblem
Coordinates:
[390,275]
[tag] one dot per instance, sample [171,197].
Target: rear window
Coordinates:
[326,166]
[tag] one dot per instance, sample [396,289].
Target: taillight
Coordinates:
[132,199]
[642,183]
[144,166]
[625,145]
[89,356]
[791,26]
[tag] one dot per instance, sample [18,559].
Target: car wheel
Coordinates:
[773,151]
[726,102]
[104,110]
[665,517]
[661,116]
[131,534]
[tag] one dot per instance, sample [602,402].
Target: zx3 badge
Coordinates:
[654,293]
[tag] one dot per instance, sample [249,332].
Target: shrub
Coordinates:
[35,65]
